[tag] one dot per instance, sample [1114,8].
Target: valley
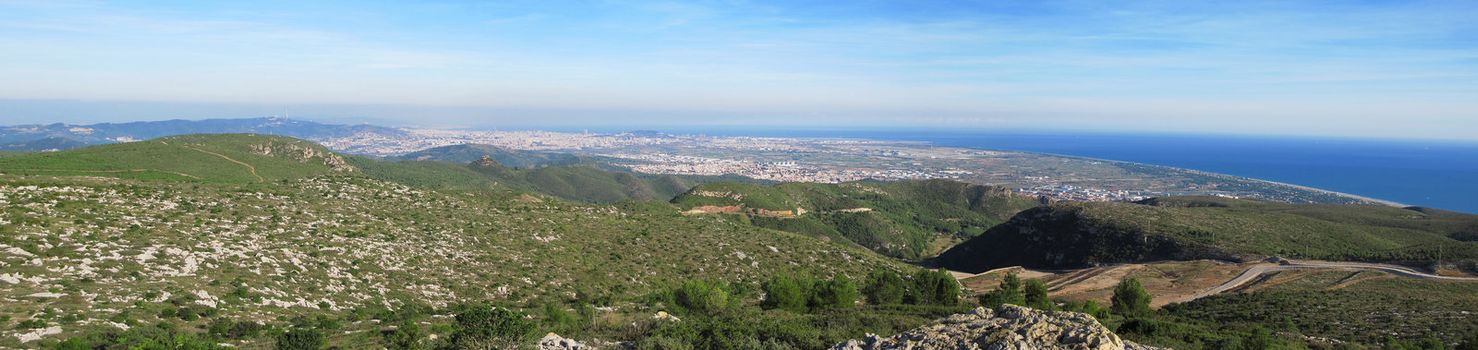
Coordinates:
[187,234]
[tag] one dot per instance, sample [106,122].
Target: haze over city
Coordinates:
[1347,69]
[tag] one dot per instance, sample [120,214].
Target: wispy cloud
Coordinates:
[1165,65]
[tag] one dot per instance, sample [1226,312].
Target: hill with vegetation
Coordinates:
[101,256]
[226,158]
[557,174]
[468,153]
[1069,235]
[255,242]
[262,158]
[905,219]
[587,183]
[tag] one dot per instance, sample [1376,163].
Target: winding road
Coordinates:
[1251,274]
[1284,265]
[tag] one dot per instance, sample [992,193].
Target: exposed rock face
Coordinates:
[719,194]
[553,341]
[1008,328]
[303,153]
[486,161]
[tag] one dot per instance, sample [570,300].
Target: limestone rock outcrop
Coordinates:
[553,341]
[1008,328]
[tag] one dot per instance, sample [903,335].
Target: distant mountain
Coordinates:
[1072,235]
[66,136]
[43,144]
[905,219]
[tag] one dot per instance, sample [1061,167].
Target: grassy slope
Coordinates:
[426,174]
[180,158]
[905,217]
[1079,234]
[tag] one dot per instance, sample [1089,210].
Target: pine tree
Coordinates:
[1035,295]
[1130,298]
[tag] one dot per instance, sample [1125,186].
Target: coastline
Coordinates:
[1300,187]
[1337,193]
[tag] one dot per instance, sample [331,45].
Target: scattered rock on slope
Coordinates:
[1008,328]
[553,341]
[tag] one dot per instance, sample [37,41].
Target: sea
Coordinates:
[1433,174]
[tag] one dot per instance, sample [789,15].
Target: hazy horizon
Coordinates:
[1324,69]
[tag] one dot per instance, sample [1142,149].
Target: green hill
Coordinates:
[590,184]
[229,158]
[468,153]
[906,219]
[427,174]
[250,158]
[1066,235]
[557,174]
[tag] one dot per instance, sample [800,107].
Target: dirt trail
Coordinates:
[249,167]
[959,275]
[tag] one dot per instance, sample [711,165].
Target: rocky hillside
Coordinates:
[85,249]
[1071,235]
[1008,327]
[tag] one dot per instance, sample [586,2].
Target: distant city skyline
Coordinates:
[1330,69]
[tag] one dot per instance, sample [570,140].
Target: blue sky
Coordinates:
[1406,69]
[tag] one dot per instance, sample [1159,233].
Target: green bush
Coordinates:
[31,324]
[143,338]
[1130,298]
[483,326]
[1035,295]
[662,343]
[786,292]
[935,287]
[1009,292]
[559,320]
[230,329]
[1086,306]
[702,297]
[884,287]
[834,294]
[406,336]
[300,339]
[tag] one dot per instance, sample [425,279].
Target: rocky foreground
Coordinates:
[1007,328]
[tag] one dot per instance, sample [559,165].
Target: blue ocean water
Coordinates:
[1429,174]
